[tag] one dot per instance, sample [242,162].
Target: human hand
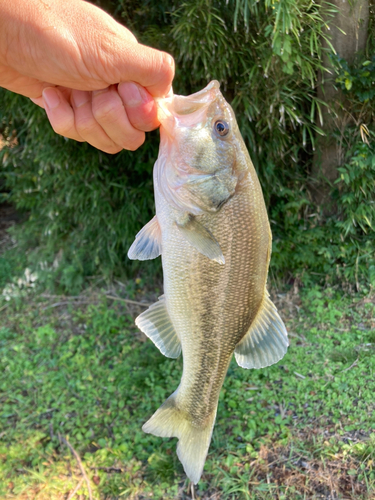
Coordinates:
[95,81]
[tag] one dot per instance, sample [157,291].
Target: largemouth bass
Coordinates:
[212,232]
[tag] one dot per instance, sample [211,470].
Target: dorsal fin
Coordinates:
[266,341]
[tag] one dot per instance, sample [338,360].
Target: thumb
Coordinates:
[117,52]
[151,68]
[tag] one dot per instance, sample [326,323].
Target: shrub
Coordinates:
[85,207]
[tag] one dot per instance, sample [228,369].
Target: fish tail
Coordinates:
[194,441]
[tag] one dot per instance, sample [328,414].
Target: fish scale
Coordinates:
[212,231]
[224,316]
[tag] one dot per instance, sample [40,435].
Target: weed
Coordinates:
[300,428]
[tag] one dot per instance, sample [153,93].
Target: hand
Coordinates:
[93,78]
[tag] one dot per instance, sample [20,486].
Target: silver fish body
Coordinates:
[212,231]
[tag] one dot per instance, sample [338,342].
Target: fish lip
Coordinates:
[202,95]
[174,106]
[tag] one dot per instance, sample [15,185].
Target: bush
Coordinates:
[85,207]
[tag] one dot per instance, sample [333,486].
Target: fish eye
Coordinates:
[221,127]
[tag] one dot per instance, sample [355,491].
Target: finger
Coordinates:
[151,68]
[110,114]
[86,124]
[38,101]
[139,105]
[60,113]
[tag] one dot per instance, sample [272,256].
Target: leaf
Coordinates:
[348,84]
[287,47]
[277,45]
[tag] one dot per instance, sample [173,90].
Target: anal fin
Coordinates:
[266,341]
[157,325]
[201,239]
[147,243]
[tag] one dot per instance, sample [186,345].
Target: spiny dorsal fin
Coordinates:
[266,341]
[147,243]
[157,325]
[201,239]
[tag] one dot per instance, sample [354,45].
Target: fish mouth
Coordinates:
[180,107]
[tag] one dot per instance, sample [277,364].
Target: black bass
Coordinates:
[212,231]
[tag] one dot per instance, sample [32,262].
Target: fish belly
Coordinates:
[211,305]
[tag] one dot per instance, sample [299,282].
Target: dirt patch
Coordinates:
[329,479]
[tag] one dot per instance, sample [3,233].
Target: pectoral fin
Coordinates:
[201,239]
[266,341]
[147,243]
[157,325]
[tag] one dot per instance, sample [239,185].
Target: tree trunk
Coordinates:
[348,32]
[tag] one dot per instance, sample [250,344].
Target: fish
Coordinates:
[212,231]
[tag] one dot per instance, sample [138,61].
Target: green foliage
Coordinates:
[83,371]
[85,206]
[357,191]
[340,246]
[12,264]
[357,79]
[6,272]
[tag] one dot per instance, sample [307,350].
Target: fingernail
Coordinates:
[131,94]
[51,97]
[170,61]
[80,97]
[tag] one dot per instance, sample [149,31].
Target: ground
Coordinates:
[78,380]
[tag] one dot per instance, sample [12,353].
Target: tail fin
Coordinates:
[193,444]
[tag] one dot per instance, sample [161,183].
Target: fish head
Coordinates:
[198,166]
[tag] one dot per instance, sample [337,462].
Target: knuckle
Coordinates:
[112,150]
[105,112]
[134,142]
[65,128]
[62,123]
[86,126]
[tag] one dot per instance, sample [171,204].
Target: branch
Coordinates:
[128,301]
[71,495]
[64,303]
[76,456]
[351,366]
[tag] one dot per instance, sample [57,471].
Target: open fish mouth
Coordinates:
[177,107]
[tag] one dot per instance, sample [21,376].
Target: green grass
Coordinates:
[303,428]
